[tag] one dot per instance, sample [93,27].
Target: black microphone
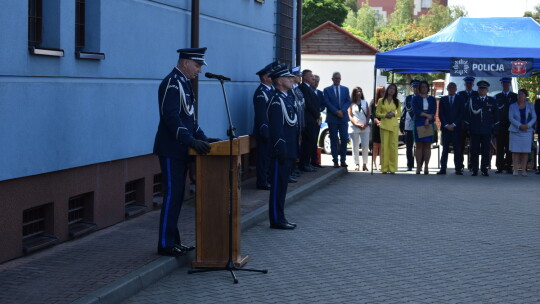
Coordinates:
[218,77]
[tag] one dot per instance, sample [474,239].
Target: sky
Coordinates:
[495,8]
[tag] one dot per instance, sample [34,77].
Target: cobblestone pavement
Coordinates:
[387,239]
[71,270]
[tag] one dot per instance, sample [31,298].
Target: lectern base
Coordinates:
[240,262]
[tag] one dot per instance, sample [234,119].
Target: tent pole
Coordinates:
[373,115]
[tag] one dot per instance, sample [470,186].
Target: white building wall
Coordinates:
[356,70]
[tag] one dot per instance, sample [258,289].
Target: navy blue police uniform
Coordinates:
[451,109]
[483,122]
[261,132]
[467,95]
[177,131]
[283,122]
[504,156]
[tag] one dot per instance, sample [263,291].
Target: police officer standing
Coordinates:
[261,97]
[300,110]
[283,121]
[504,100]
[483,122]
[467,94]
[177,131]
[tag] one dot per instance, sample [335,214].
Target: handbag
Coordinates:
[424,131]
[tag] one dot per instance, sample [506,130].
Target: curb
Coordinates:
[133,282]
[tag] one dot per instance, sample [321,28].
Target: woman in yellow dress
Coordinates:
[389,109]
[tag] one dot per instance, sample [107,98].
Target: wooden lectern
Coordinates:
[212,204]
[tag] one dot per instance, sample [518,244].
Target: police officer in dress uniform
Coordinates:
[299,106]
[177,131]
[283,123]
[261,97]
[504,100]
[483,122]
[466,94]
[408,124]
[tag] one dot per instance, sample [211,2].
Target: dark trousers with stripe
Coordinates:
[263,162]
[280,180]
[480,144]
[173,172]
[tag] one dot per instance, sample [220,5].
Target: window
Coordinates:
[35,12]
[134,198]
[426,3]
[37,228]
[79,23]
[81,214]
[285,36]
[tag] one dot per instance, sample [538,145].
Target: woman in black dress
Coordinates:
[376,136]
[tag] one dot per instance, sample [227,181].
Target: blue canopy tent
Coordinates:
[485,38]
[499,37]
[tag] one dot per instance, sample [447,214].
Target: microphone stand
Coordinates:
[229,266]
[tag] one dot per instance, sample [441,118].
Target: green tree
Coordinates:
[534,14]
[391,37]
[440,16]
[352,5]
[317,12]
[363,21]
[403,14]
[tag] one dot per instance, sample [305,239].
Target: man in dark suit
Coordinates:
[178,130]
[467,94]
[451,109]
[482,118]
[314,153]
[261,97]
[311,115]
[337,101]
[504,100]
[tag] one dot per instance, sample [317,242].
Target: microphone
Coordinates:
[218,77]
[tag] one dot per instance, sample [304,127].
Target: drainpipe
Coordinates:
[195,16]
[298,32]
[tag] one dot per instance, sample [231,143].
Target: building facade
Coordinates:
[78,110]
[385,8]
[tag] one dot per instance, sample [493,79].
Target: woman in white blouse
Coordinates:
[359,114]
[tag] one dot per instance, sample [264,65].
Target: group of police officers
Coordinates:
[482,120]
[286,128]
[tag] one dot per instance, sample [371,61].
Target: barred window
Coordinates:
[285,20]
[80,23]
[35,25]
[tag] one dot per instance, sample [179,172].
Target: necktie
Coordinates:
[337,95]
[451,100]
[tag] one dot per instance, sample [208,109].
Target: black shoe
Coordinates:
[537,172]
[297,172]
[475,173]
[344,164]
[184,247]
[336,165]
[458,172]
[264,187]
[499,171]
[316,165]
[441,172]
[409,168]
[292,224]
[172,251]
[284,226]
[307,169]
[292,180]
[485,173]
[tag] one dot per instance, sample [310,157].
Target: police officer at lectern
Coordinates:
[283,122]
[482,118]
[177,131]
